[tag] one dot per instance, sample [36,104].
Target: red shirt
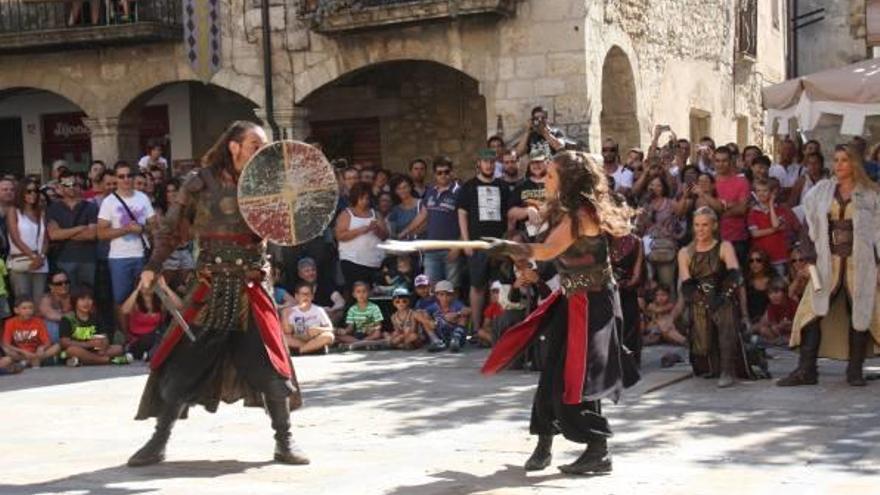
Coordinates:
[142,323]
[778,312]
[25,334]
[734,189]
[493,310]
[776,245]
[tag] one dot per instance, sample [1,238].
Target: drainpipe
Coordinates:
[267,71]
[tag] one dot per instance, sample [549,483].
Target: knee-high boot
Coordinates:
[858,347]
[154,450]
[807,372]
[286,450]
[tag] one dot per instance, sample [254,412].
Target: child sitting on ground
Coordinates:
[661,327]
[145,315]
[407,323]
[25,338]
[80,338]
[775,325]
[491,315]
[400,276]
[450,319]
[307,327]
[363,320]
[424,299]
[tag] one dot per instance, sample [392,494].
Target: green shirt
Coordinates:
[361,318]
[75,329]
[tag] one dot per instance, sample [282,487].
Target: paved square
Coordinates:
[414,423]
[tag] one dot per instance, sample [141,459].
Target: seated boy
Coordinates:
[491,316]
[450,318]
[25,337]
[661,327]
[80,339]
[400,276]
[363,320]
[407,323]
[775,325]
[307,327]
[424,299]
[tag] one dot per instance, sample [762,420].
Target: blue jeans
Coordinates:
[438,267]
[79,273]
[124,276]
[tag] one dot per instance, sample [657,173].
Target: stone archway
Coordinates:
[389,113]
[193,115]
[39,126]
[619,117]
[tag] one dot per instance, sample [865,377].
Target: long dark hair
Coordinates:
[20,192]
[584,185]
[162,193]
[218,158]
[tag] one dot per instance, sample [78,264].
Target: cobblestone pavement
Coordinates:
[413,423]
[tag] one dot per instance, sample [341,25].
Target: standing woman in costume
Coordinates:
[239,351]
[585,361]
[840,318]
[711,288]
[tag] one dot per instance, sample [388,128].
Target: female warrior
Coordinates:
[711,287]
[585,361]
[840,316]
[239,351]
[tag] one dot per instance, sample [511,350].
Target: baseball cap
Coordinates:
[422,280]
[537,155]
[496,285]
[59,164]
[486,154]
[400,292]
[444,286]
[304,262]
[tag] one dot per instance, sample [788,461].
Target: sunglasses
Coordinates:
[124,176]
[797,260]
[29,191]
[442,172]
[400,299]
[608,149]
[756,260]
[60,282]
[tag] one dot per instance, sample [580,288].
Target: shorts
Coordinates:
[478,269]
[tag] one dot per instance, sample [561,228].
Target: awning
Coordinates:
[853,92]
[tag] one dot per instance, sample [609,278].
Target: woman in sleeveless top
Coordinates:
[840,317]
[711,289]
[585,360]
[27,239]
[359,230]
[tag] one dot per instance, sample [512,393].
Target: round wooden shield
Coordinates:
[287,192]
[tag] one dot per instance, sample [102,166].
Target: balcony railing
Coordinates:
[47,25]
[336,16]
[747,29]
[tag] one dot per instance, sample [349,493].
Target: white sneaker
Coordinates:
[72,361]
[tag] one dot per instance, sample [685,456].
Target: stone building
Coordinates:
[834,33]
[384,81]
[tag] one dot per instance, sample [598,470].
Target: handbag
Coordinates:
[663,251]
[148,249]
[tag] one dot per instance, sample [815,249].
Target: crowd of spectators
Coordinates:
[73,247]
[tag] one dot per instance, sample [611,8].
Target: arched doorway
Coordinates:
[389,113]
[38,127]
[619,117]
[184,117]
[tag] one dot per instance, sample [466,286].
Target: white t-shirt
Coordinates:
[144,163]
[786,176]
[129,245]
[314,317]
[623,178]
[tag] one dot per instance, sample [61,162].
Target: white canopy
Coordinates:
[853,92]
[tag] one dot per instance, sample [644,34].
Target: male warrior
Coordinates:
[238,349]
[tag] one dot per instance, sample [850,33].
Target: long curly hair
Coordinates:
[218,158]
[584,185]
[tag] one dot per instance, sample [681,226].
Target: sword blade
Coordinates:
[427,245]
[175,313]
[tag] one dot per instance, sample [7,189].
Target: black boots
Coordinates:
[286,450]
[858,347]
[727,340]
[541,457]
[806,373]
[153,451]
[595,460]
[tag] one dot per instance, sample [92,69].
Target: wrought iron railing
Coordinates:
[29,16]
[747,28]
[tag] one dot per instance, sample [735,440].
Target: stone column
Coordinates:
[294,122]
[112,140]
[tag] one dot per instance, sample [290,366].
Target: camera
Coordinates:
[536,122]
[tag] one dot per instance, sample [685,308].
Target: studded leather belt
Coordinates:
[590,281]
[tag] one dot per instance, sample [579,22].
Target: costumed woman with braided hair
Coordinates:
[239,350]
[711,291]
[839,317]
[586,361]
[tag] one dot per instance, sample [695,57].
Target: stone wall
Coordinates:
[837,40]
